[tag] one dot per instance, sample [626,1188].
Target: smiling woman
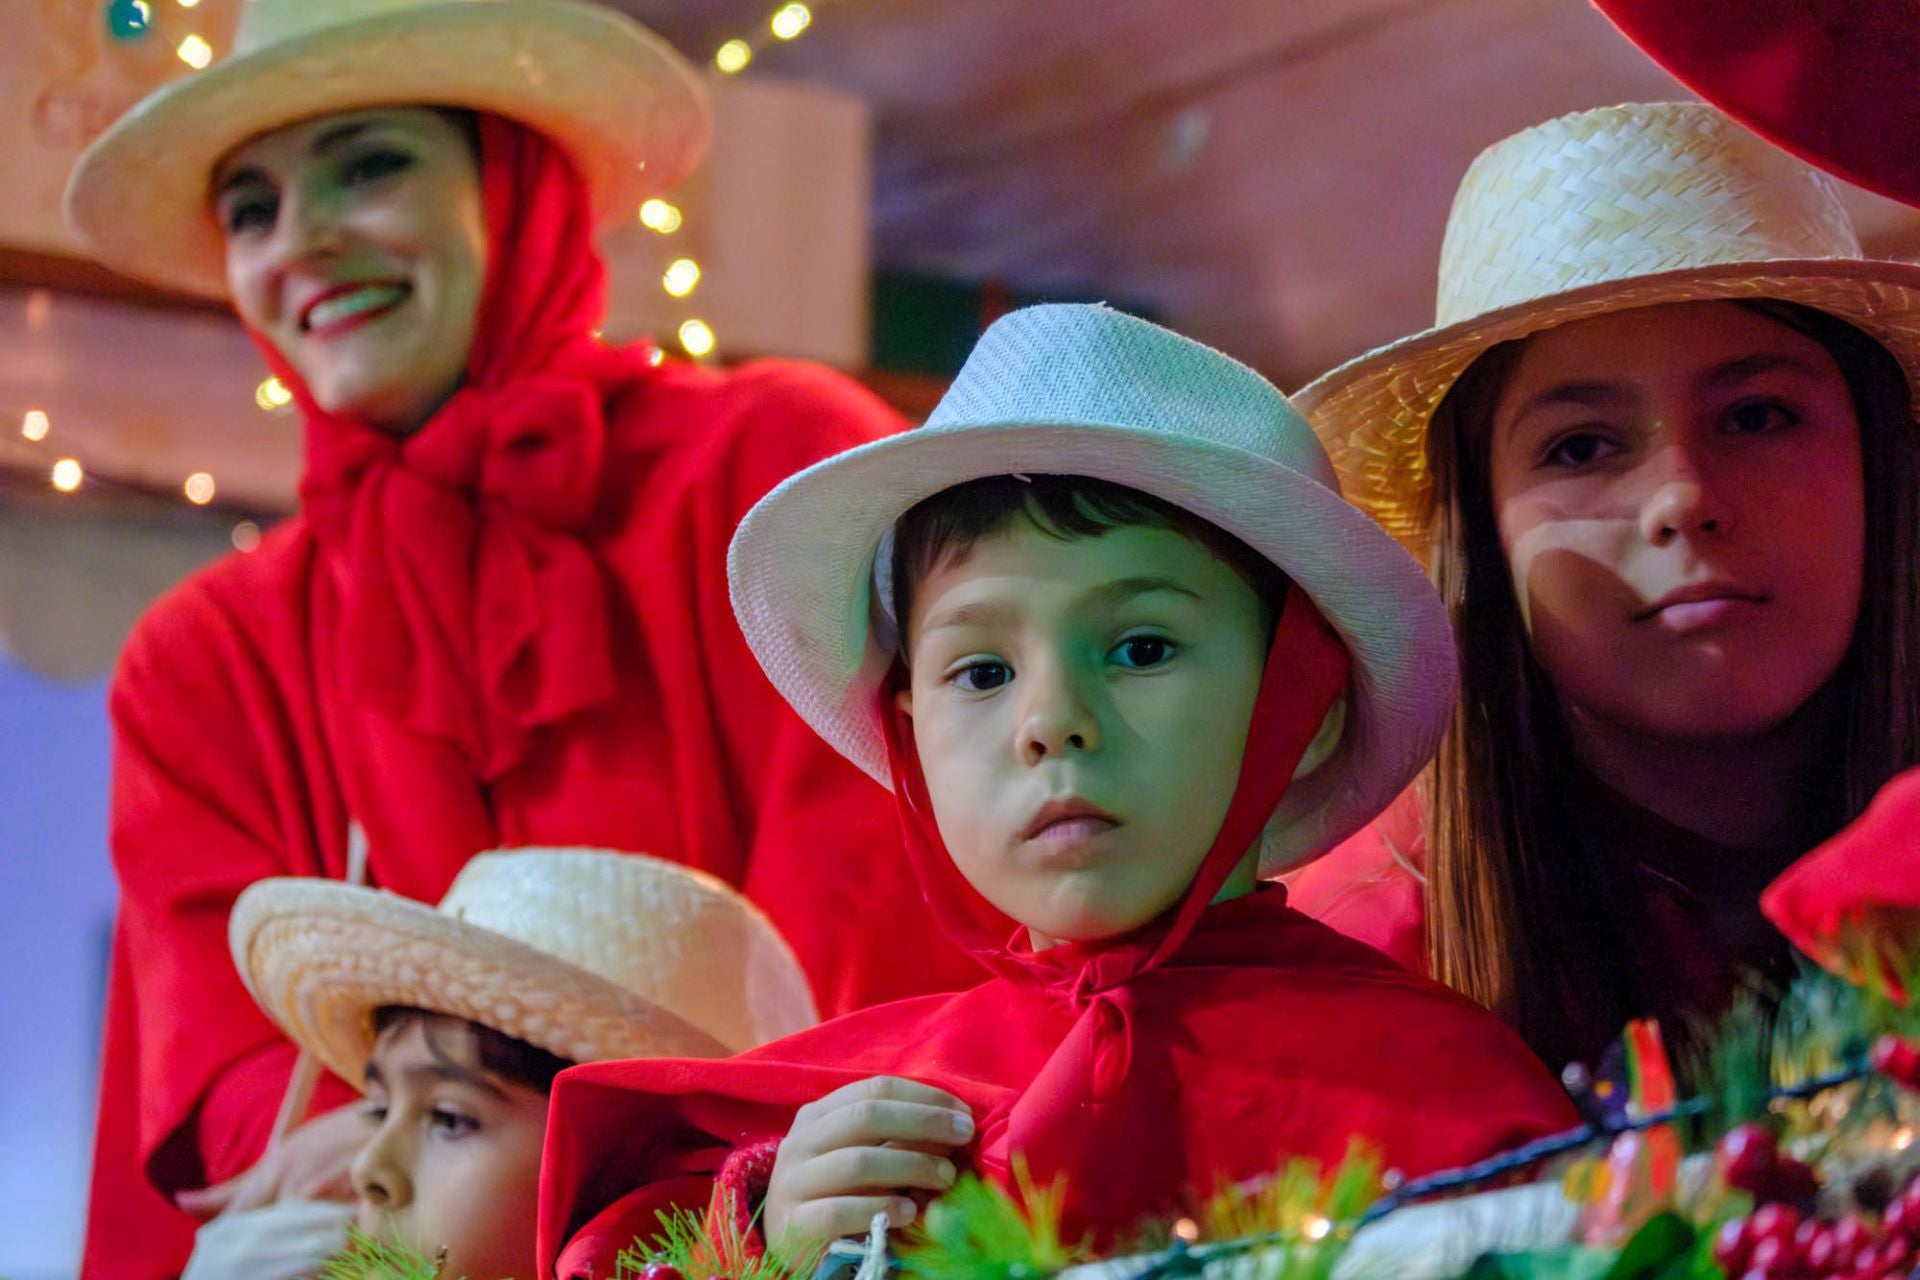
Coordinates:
[1667,466]
[500,617]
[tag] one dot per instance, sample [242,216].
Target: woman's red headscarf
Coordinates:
[472,611]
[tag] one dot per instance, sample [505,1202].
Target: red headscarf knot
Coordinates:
[473,609]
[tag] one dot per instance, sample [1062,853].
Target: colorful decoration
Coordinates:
[129,20]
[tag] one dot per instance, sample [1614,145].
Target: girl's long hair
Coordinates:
[1518,920]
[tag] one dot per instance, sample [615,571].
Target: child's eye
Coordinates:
[1143,651]
[982,676]
[452,1123]
[375,165]
[1755,417]
[1578,449]
[250,214]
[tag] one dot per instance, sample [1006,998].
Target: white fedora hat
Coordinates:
[1595,212]
[589,954]
[1086,391]
[625,107]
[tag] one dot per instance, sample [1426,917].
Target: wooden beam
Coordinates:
[79,275]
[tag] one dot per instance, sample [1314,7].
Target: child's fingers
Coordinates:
[837,1216]
[873,1121]
[883,1089]
[856,1169]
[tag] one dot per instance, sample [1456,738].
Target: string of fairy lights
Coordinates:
[130,21]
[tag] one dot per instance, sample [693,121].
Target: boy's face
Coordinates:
[453,1155]
[1080,708]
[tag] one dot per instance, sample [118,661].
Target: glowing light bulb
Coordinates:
[697,338]
[733,57]
[196,53]
[188,4]
[67,475]
[656,356]
[35,425]
[1317,1228]
[681,277]
[791,20]
[246,536]
[658,215]
[272,395]
[199,488]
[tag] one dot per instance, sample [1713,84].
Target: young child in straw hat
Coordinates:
[1112,636]
[455,1021]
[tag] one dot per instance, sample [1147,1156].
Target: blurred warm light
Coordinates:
[791,20]
[188,4]
[733,56]
[1317,1228]
[658,215]
[246,536]
[681,277]
[196,53]
[697,338]
[67,475]
[272,394]
[656,356]
[35,425]
[199,488]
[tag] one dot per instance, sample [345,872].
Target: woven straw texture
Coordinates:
[589,954]
[1082,390]
[1592,213]
[624,105]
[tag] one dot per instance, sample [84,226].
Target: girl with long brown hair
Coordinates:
[1661,455]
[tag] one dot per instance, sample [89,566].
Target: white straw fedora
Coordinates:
[586,953]
[1601,211]
[1083,390]
[626,108]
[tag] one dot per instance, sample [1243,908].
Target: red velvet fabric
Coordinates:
[1837,84]
[510,628]
[1207,1045]
[1853,903]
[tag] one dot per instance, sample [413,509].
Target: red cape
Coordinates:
[570,673]
[1854,902]
[1210,1045]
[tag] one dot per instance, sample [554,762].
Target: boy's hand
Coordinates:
[857,1152]
[310,1165]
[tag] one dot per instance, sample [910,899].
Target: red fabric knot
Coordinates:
[473,610]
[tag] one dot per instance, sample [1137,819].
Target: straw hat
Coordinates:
[588,954]
[1082,390]
[627,109]
[1595,212]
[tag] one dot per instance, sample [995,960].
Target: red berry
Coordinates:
[1747,1157]
[1775,1222]
[1848,1235]
[1866,1261]
[1772,1255]
[1733,1245]
[1897,1059]
[660,1271]
[1821,1256]
[1792,1180]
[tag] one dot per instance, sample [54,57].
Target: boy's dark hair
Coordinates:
[953,521]
[497,1052]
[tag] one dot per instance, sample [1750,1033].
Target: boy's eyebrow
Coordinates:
[1123,589]
[452,1073]
[978,613]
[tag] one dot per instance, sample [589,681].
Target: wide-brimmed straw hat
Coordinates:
[1596,212]
[1086,391]
[627,109]
[586,953]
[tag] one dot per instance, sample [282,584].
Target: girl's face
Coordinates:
[356,245]
[1679,495]
[452,1158]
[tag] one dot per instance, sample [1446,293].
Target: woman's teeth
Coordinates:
[342,306]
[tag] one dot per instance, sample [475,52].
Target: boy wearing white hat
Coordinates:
[1108,630]
[455,1021]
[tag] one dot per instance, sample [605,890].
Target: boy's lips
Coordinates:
[1068,818]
